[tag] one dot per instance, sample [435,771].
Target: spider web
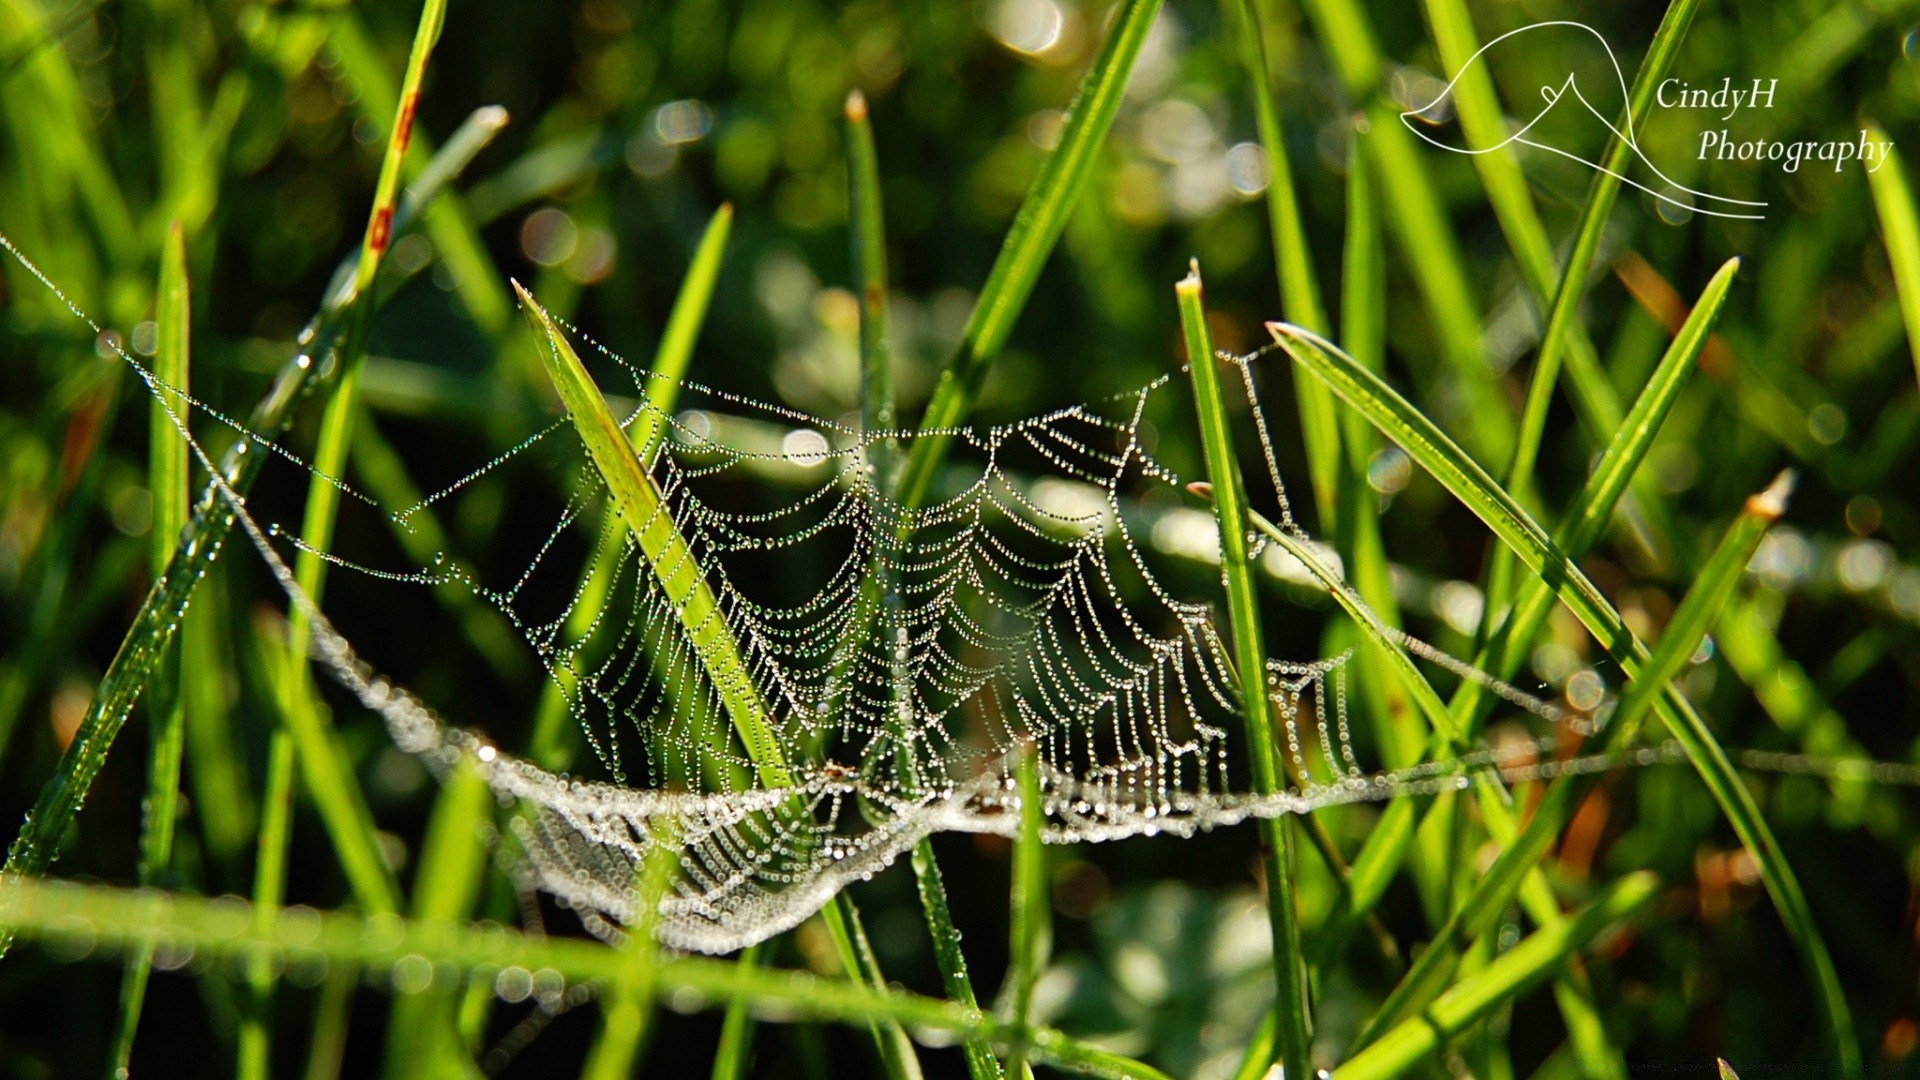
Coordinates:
[862,673]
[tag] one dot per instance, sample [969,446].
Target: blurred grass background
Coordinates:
[259,127]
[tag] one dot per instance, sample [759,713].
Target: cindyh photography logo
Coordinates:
[1871,153]
[1566,102]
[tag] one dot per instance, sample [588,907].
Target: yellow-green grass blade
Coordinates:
[454,233]
[640,505]
[878,414]
[1470,484]
[554,736]
[115,920]
[1500,982]
[160,614]
[1593,507]
[1030,923]
[628,1000]
[735,1051]
[322,762]
[422,1032]
[167,482]
[1293,263]
[1036,227]
[329,778]
[1291,1006]
[1494,890]
[269,887]
[637,499]
[1900,227]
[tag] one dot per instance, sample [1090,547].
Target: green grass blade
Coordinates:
[1516,970]
[36,845]
[735,1052]
[554,735]
[640,505]
[269,883]
[1299,295]
[1036,227]
[1250,656]
[1495,889]
[1030,923]
[454,232]
[878,414]
[422,1033]
[1593,506]
[1470,484]
[628,1003]
[167,482]
[116,920]
[329,778]
[1900,226]
[1591,509]
[1563,313]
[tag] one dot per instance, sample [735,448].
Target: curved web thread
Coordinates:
[926,646]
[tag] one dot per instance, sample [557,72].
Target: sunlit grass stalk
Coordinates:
[1563,313]
[453,230]
[422,1030]
[878,414]
[167,480]
[153,626]
[1470,484]
[735,1050]
[628,999]
[554,735]
[1036,228]
[329,777]
[1299,295]
[639,502]
[1291,1007]
[1030,922]
[1400,1050]
[1678,642]
[1587,517]
[316,750]
[269,885]
[116,920]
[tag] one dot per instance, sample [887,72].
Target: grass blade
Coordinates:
[1036,227]
[422,1031]
[877,414]
[1593,507]
[1470,484]
[735,1052]
[553,742]
[630,996]
[167,483]
[1299,295]
[269,884]
[1250,656]
[1494,890]
[1518,969]
[115,920]
[1900,225]
[1562,314]
[1031,929]
[640,505]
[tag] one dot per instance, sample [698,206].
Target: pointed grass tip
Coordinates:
[1201,488]
[1771,504]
